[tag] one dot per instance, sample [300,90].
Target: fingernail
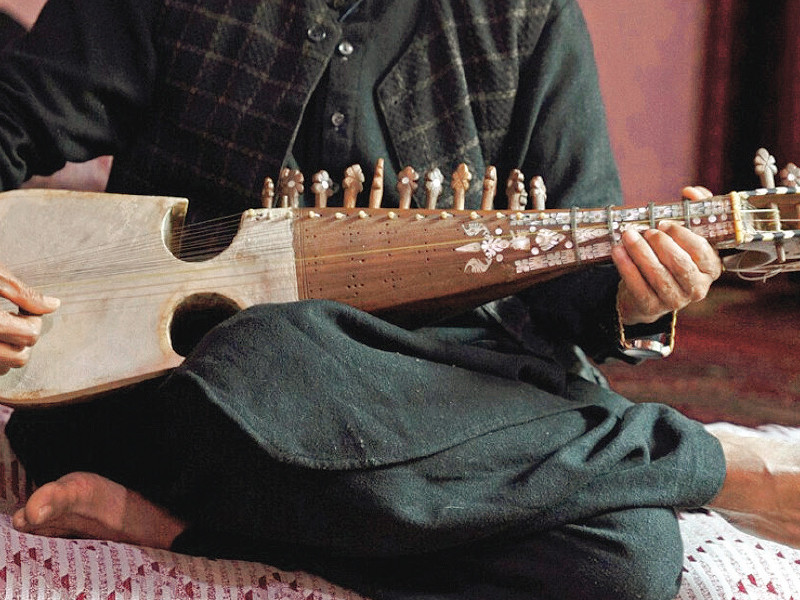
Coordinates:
[52,302]
[631,234]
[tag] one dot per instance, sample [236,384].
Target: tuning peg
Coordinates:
[515,190]
[790,175]
[268,193]
[765,168]
[434,182]
[322,188]
[780,252]
[538,192]
[290,186]
[353,185]
[489,188]
[460,184]
[406,186]
[376,190]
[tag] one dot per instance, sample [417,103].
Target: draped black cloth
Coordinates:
[311,435]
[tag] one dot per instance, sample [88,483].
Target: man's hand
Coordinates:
[19,332]
[664,269]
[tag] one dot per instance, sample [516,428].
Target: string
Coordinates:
[129,266]
[768,271]
[195,237]
[196,240]
[127,252]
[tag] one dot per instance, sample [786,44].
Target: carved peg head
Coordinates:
[290,186]
[353,185]
[515,190]
[765,168]
[322,188]
[538,192]
[790,175]
[376,190]
[460,182]
[268,193]
[434,183]
[406,186]
[489,188]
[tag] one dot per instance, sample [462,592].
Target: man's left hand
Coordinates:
[664,269]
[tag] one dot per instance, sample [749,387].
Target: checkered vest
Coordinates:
[234,78]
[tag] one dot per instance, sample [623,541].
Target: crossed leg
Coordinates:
[760,495]
[761,481]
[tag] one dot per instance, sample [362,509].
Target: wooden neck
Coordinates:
[403,262]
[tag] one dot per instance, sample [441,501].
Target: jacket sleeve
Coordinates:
[75,86]
[10,29]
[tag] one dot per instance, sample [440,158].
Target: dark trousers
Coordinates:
[429,464]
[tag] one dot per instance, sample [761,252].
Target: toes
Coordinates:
[37,512]
[43,514]
[19,520]
[48,503]
[86,505]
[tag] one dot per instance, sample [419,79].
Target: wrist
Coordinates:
[646,340]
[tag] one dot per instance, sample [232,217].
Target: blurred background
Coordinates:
[692,90]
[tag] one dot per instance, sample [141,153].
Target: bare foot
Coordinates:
[761,492]
[85,505]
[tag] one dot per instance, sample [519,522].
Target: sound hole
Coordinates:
[195,317]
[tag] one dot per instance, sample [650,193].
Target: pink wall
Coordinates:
[650,62]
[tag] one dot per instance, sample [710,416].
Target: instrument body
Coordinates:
[112,261]
[114,325]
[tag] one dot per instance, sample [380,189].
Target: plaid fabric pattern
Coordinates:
[233,85]
[235,77]
[451,97]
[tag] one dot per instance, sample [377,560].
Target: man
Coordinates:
[462,460]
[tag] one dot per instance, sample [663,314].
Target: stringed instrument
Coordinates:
[130,306]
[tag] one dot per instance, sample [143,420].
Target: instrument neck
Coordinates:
[573,237]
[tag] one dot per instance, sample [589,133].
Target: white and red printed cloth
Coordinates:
[720,562]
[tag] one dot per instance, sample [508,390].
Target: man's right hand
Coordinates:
[19,332]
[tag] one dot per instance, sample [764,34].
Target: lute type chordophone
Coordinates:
[130,307]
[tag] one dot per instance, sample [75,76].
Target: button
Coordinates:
[345,48]
[317,33]
[337,119]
